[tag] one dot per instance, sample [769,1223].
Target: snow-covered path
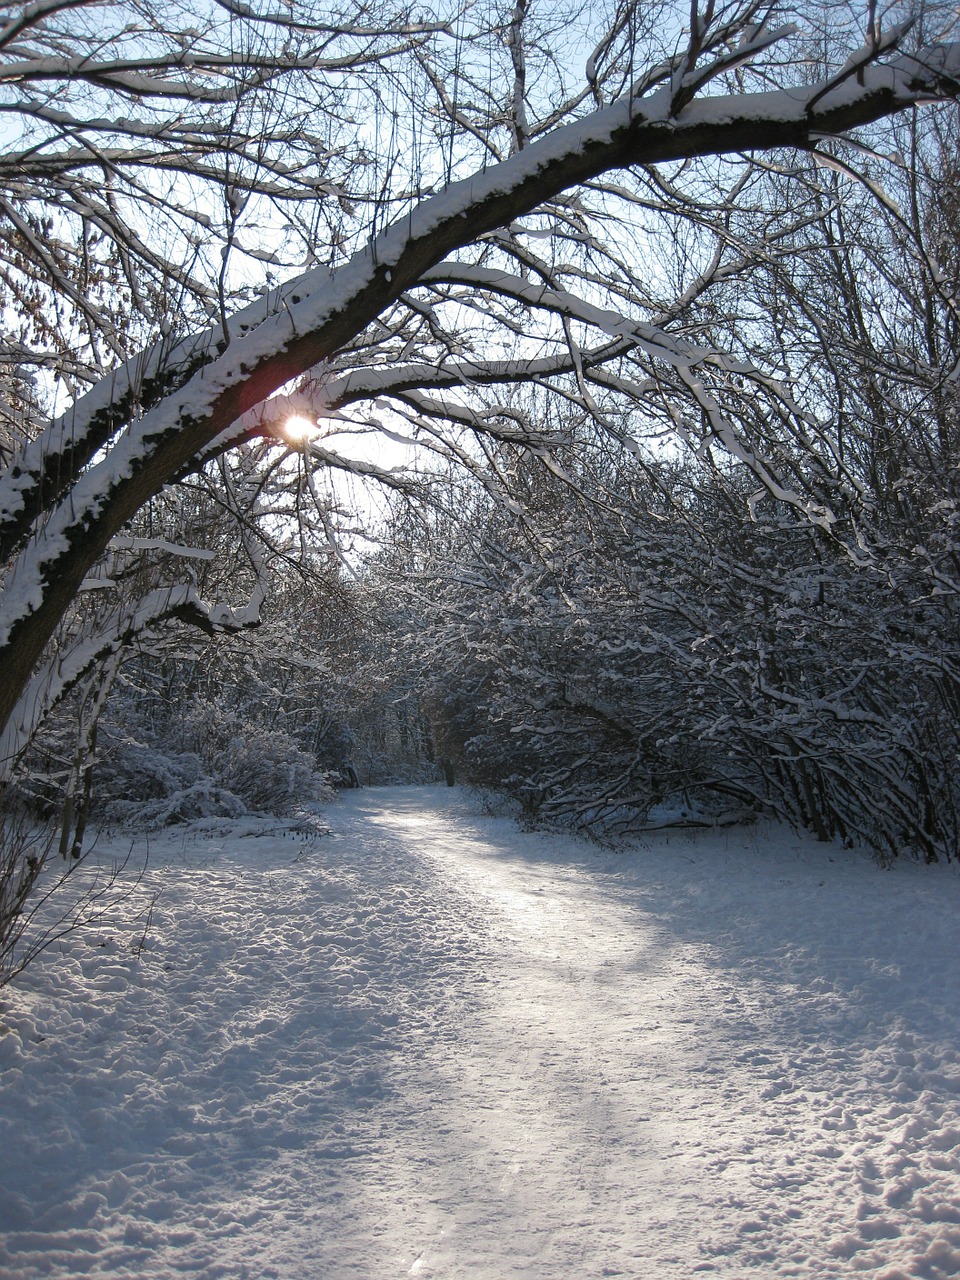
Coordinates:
[431,1045]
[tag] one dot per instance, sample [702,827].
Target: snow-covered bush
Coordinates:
[698,647]
[262,765]
[211,762]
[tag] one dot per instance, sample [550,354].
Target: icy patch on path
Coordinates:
[434,1046]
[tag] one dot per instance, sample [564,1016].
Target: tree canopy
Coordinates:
[474,225]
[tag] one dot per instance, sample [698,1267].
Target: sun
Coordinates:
[300,430]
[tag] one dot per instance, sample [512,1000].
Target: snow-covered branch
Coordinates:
[126,626]
[70,491]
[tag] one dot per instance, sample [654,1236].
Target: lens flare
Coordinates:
[299,430]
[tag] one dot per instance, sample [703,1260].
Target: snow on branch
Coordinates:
[180,400]
[120,630]
[314,313]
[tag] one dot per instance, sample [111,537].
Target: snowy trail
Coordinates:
[554,1100]
[431,1045]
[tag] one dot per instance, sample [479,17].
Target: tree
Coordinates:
[649,631]
[682,630]
[384,317]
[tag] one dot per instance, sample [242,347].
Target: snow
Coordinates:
[429,1044]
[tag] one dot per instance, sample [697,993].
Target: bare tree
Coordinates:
[149,147]
[513,197]
[683,631]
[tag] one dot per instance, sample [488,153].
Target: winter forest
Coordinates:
[567,399]
[555,397]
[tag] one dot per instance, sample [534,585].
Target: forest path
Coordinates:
[685,1058]
[432,1045]
[571,1114]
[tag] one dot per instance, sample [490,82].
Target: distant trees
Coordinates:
[267,719]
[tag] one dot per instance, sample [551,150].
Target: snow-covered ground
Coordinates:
[429,1045]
